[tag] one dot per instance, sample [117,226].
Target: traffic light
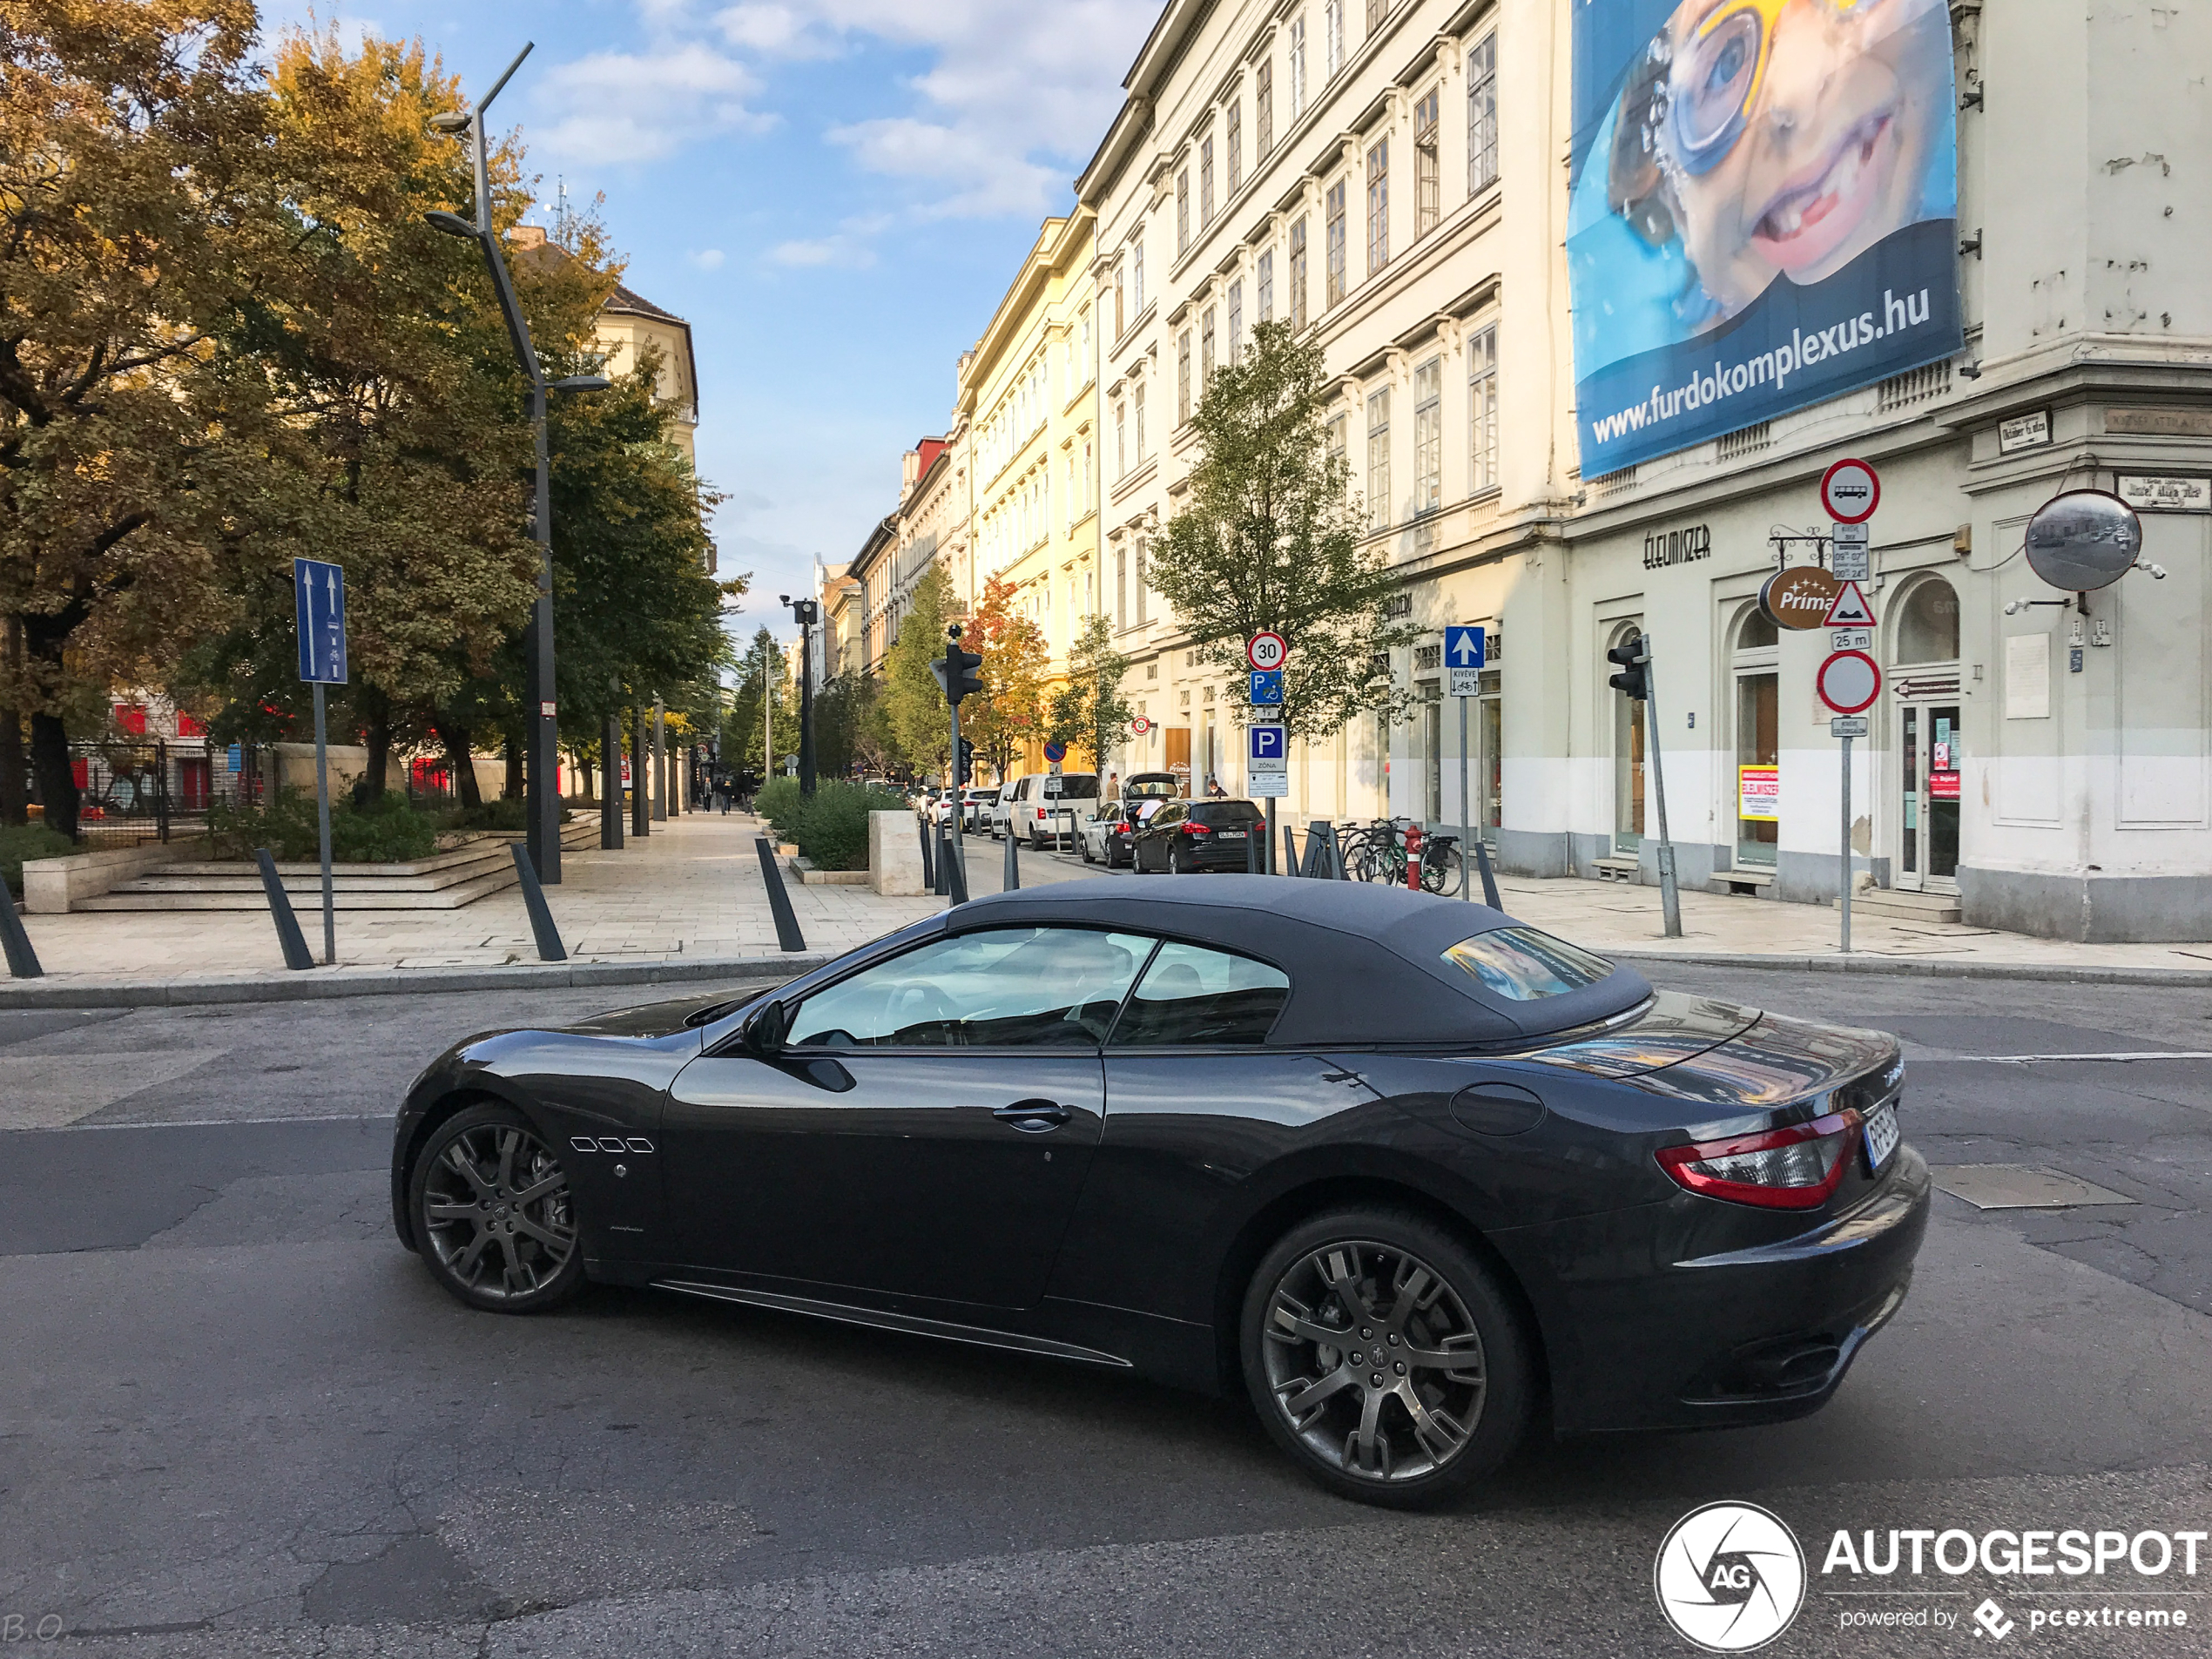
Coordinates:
[1631,681]
[956,670]
[967,761]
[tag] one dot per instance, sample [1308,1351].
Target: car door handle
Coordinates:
[1033,1116]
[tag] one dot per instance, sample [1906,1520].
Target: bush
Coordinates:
[834,830]
[21,842]
[386,831]
[508,814]
[780,803]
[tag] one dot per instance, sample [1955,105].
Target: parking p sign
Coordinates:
[1267,761]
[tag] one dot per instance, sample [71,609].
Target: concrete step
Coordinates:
[1911,907]
[308,896]
[1743,880]
[1615,869]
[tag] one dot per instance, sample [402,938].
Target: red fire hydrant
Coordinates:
[1414,856]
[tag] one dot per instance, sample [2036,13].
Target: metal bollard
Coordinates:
[287,925]
[1489,881]
[928,860]
[1254,847]
[955,872]
[22,961]
[1010,881]
[550,948]
[787,935]
[1289,851]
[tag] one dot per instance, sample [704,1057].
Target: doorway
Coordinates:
[1929,751]
[1758,741]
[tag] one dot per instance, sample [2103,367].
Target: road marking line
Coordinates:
[2038,1059]
[212,1122]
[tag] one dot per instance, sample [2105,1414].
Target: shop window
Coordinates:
[1758,741]
[1927,625]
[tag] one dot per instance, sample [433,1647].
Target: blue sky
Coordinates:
[834,192]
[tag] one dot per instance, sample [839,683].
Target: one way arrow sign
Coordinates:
[1463,655]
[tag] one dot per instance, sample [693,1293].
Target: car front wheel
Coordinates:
[1384,1357]
[492,1212]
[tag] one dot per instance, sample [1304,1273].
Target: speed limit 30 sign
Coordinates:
[1266,650]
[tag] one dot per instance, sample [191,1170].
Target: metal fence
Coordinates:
[129,792]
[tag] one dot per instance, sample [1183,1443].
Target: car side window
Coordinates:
[1004,987]
[1190,995]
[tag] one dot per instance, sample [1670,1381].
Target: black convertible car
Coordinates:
[1408,1172]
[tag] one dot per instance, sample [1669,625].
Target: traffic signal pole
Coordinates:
[1669,894]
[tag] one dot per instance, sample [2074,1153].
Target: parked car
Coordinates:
[1038,806]
[1187,835]
[1416,1178]
[975,807]
[1106,837]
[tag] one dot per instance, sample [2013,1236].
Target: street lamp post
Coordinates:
[541,781]
[807,611]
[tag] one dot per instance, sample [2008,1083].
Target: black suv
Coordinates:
[1186,836]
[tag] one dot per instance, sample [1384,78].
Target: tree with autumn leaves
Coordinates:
[228,339]
[1017,662]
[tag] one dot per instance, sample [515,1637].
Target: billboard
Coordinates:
[1762,211]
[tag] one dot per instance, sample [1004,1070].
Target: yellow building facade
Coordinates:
[1029,400]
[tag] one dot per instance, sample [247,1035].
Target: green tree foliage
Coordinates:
[919,721]
[1271,539]
[131,139]
[761,671]
[846,726]
[1090,712]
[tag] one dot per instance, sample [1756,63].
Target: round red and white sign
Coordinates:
[1850,491]
[1140,725]
[1849,682]
[1265,651]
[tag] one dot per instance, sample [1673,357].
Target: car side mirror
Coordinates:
[764,1032]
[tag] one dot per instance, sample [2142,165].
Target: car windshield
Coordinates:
[1523,965]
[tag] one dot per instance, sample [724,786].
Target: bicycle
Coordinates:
[1377,852]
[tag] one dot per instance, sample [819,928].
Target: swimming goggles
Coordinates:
[1719,71]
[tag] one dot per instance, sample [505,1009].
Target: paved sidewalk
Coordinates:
[689,901]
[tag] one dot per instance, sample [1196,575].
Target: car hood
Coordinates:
[662,1019]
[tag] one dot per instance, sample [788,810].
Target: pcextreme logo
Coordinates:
[1729,1577]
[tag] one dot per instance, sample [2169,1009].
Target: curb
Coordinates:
[1923,967]
[309,987]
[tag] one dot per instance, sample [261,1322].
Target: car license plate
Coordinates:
[1232,835]
[1882,1135]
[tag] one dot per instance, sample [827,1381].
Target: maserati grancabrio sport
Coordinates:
[1412,1175]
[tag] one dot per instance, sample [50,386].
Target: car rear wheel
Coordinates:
[1383,1355]
[493,1214]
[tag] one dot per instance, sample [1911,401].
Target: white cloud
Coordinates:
[613,107]
[708,258]
[842,249]
[781,30]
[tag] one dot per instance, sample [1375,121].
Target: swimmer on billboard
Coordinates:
[1764,211]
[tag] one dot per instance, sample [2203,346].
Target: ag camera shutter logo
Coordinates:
[1729,1577]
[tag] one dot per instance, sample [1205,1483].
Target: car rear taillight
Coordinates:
[1798,1167]
[1196,829]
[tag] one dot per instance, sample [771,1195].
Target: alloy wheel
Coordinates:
[496,1210]
[1373,1361]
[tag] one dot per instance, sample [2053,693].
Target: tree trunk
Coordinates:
[376,713]
[512,788]
[462,759]
[49,764]
[15,800]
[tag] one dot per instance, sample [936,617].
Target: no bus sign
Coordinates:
[1849,492]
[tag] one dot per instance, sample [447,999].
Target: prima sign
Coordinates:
[1679,546]
[1799,598]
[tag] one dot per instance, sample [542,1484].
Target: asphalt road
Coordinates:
[236,1418]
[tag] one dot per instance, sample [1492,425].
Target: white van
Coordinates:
[1041,806]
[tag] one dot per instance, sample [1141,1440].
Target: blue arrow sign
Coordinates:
[1267,688]
[318,591]
[1463,647]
